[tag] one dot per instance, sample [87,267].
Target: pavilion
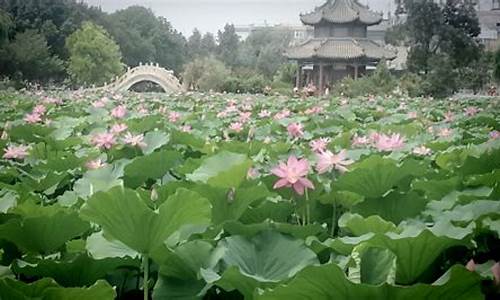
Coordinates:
[340,46]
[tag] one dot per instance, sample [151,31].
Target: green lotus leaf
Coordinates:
[225,170]
[153,166]
[79,271]
[102,179]
[100,248]
[154,140]
[262,256]
[329,282]
[373,265]
[394,207]
[44,232]
[375,176]
[358,225]
[416,250]
[48,289]
[124,216]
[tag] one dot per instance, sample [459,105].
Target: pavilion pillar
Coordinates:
[298,81]
[356,71]
[320,87]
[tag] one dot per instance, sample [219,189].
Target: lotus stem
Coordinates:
[334,218]
[308,209]
[145,267]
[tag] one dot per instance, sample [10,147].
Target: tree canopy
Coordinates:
[94,57]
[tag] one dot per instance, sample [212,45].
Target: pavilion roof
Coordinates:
[340,49]
[341,12]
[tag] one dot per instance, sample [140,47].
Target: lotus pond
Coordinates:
[211,196]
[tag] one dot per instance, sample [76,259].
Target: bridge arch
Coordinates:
[152,73]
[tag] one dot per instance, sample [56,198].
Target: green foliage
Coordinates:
[228,42]
[28,57]
[5,25]
[497,65]
[205,74]
[94,57]
[443,44]
[381,82]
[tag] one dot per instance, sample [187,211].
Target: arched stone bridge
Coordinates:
[149,72]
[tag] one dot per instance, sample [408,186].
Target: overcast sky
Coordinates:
[211,15]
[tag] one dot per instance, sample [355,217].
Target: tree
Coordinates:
[5,25]
[194,44]
[95,58]
[208,44]
[205,74]
[227,48]
[496,71]
[144,37]
[28,57]
[442,34]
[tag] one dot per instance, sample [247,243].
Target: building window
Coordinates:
[496,5]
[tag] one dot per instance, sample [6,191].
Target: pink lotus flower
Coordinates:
[16,152]
[389,143]
[295,130]
[119,112]
[422,150]
[222,114]
[173,117]
[449,117]
[186,128]
[360,141]
[319,145]
[39,109]
[471,111]
[293,174]
[99,104]
[327,161]
[495,134]
[104,140]
[496,272]
[471,265]
[118,128]
[95,164]
[412,115]
[134,140]
[33,118]
[236,127]
[253,173]
[344,102]
[282,114]
[264,114]
[245,117]
[445,132]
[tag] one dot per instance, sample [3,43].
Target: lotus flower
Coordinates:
[449,117]
[173,117]
[104,140]
[293,174]
[119,112]
[16,152]
[39,109]
[134,140]
[495,134]
[319,145]
[33,118]
[422,150]
[471,111]
[360,140]
[264,114]
[471,265]
[186,128]
[327,161]
[412,115]
[295,130]
[496,272]
[236,127]
[118,128]
[389,143]
[245,117]
[95,164]
[445,132]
